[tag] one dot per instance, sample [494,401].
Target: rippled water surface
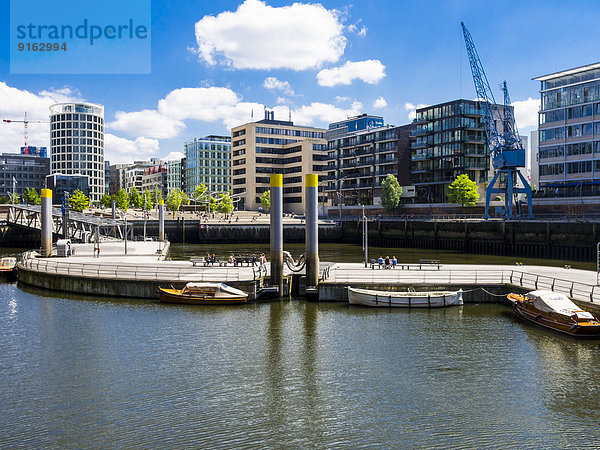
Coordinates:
[88,372]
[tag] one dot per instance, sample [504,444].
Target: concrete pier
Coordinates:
[46,219]
[161,220]
[276,213]
[311,189]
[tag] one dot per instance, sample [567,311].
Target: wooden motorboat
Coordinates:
[204,294]
[8,267]
[555,311]
[433,299]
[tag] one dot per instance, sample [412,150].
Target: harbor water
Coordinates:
[106,372]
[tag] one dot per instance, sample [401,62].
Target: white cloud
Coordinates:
[208,104]
[379,103]
[147,122]
[273,83]
[15,102]
[174,156]
[526,113]
[412,109]
[340,98]
[259,36]
[119,150]
[354,28]
[370,71]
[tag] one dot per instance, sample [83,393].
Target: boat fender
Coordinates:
[537,317]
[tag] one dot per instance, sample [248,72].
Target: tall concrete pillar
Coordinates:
[46,199]
[65,215]
[114,210]
[311,212]
[161,220]
[277,231]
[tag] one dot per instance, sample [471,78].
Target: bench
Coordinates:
[241,260]
[201,260]
[375,263]
[196,260]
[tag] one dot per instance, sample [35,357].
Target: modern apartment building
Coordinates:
[77,143]
[360,158]
[569,132]
[133,174]
[208,161]
[450,140]
[275,146]
[154,180]
[116,180]
[174,174]
[21,171]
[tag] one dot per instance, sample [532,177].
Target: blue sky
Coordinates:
[323,61]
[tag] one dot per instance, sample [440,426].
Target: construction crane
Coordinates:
[505,145]
[26,122]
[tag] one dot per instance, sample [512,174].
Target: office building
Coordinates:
[116,178]
[35,151]
[271,146]
[208,162]
[362,156]
[77,143]
[21,171]
[534,168]
[132,175]
[60,183]
[450,140]
[569,132]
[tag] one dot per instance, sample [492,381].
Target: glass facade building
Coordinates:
[208,161]
[449,140]
[77,143]
[569,132]
[60,183]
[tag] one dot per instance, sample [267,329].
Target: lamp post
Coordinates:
[340,194]
[365,236]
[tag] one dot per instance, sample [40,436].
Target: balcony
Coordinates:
[421,144]
[474,138]
[421,132]
[422,120]
[420,156]
[475,153]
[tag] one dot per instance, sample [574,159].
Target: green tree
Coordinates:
[265,200]
[78,201]
[174,199]
[31,197]
[200,194]
[147,200]
[14,198]
[3,200]
[106,201]
[185,200]
[121,200]
[225,205]
[157,196]
[463,191]
[135,199]
[390,193]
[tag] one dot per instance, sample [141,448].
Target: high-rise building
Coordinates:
[271,146]
[116,179]
[19,172]
[362,155]
[450,141]
[208,162]
[569,132]
[77,143]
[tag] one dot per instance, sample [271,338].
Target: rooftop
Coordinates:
[568,72]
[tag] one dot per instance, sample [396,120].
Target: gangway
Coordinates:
[80,226]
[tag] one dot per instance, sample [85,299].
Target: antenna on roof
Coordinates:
[290,111]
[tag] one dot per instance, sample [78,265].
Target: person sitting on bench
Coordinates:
[387,262]
[394,262]
[380,261]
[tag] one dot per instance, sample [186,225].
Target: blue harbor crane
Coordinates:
[505,145]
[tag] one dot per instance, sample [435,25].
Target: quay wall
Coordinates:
[537,239]
[107,287]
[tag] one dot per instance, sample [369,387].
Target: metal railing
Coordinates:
[574,289]
[146,272]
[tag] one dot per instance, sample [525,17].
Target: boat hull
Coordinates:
[556,324]
[173,296]
[367,297]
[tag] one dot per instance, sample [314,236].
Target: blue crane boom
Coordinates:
[506,149]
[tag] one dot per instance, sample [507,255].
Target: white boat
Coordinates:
[433,299]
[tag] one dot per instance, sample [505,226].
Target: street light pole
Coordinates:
[365,236]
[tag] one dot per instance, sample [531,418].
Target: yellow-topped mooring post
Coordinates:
[277,232]
[161,220]
[311,213]
[46,199]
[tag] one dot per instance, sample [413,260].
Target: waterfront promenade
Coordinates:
[146,266]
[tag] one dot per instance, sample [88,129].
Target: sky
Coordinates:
[218,64]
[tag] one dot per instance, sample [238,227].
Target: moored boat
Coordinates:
[204,294]
[8,267]
[433,299]
[555,311]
